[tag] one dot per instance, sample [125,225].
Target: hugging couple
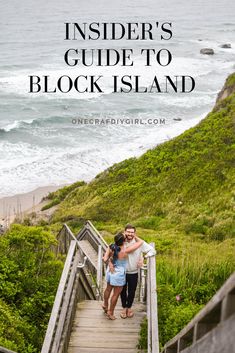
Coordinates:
[124,258]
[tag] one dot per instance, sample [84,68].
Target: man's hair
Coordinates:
[130,226]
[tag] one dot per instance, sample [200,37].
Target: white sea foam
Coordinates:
[16,125]
[18,82]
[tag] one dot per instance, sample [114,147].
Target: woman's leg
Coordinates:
[116,292]
[107,293]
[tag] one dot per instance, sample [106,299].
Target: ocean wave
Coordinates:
[55,122]
[30,166]
[37,122]
[17,124]
[18,82]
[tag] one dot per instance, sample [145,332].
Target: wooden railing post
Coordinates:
[153,339]
[143,284]
[149,307]
[99,273]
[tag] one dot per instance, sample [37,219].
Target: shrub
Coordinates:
[222,230]
[29,276]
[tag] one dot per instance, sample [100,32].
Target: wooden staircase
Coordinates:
[92,332]
[78,323]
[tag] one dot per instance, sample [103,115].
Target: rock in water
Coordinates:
[226,46]
[207,51]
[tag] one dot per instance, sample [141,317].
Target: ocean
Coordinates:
[41,142]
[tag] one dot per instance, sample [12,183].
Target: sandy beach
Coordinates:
[21,204]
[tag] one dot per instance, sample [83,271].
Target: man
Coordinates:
[134,261]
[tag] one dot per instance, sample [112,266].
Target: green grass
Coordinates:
[190,177]
[230,81]
[57,196]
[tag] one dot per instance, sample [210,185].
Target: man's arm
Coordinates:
[148,249]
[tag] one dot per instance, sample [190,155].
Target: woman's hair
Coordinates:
[119,239]
[115,247]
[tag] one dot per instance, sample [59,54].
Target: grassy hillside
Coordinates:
[185,184]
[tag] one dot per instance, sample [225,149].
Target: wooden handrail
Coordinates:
[152,312]
[96,238]
[220,308]
[102,242]
[94,235]
[51,328]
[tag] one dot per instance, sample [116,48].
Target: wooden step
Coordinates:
[101,350]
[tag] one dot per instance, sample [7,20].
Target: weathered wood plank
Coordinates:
[113,335]
[104,341]
[106,323]
[99,309]
[101,350]
[89,310]
[87,313]
[97,304]
[110,330]
[103,344]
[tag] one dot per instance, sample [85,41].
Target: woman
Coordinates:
[116,279]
